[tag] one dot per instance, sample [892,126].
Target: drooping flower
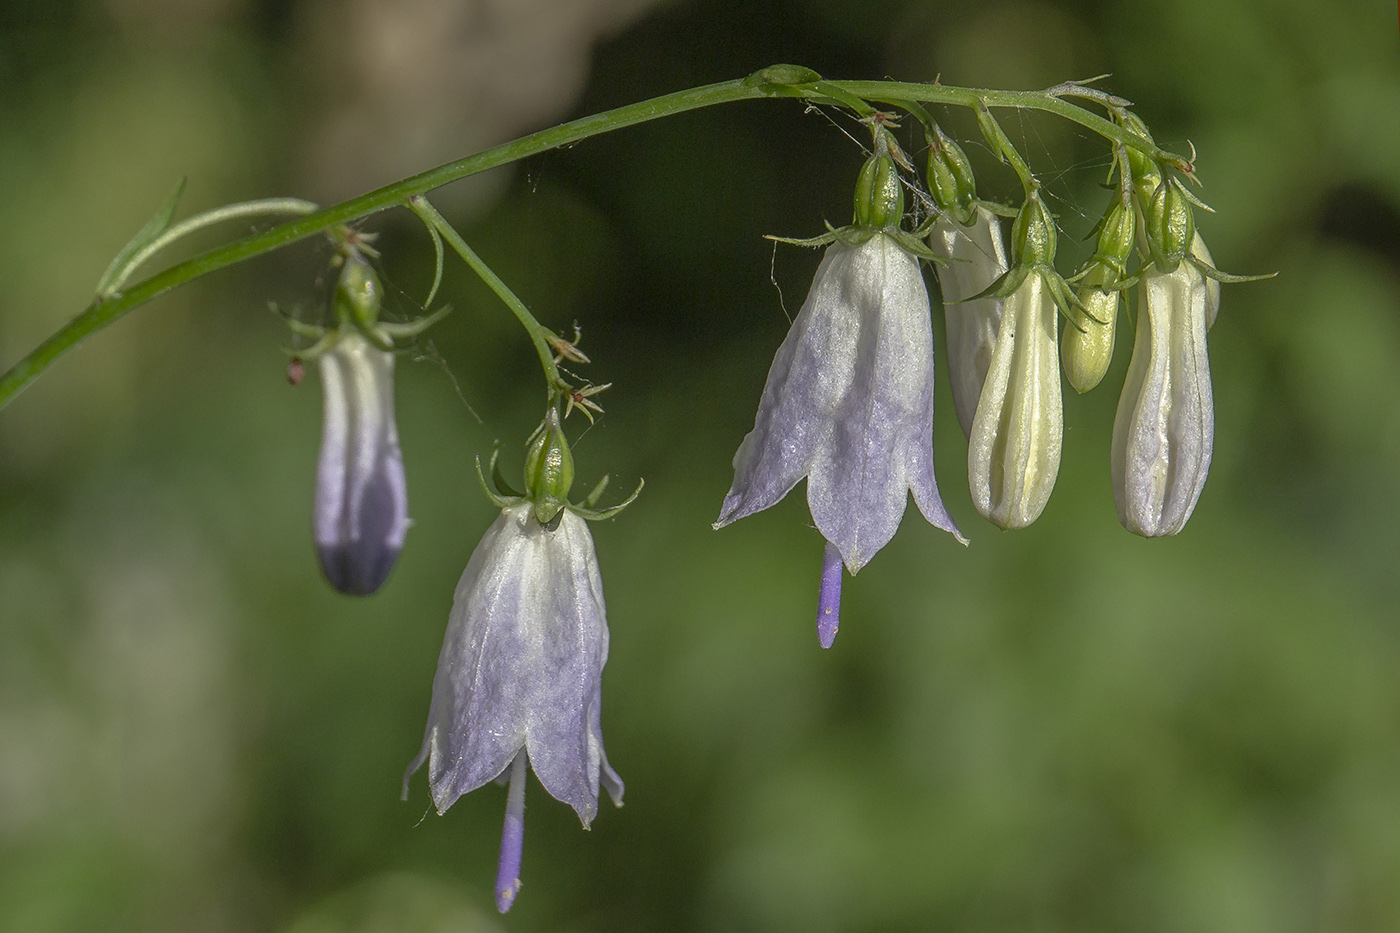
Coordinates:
[1013,453]
[977,260]
[520,673]
[1164,431]
[848,404]
[361,506]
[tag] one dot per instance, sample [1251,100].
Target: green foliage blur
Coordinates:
[1065,728]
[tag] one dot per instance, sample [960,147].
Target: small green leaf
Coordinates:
[154,228]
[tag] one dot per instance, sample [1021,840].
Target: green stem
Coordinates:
[539,334]
[106,309]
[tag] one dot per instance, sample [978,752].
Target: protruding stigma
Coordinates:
[829,602]
[512,837]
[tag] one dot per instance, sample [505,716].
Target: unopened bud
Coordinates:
[950,179]
[1086,350]
[358,294]
[549,469]
[1170,225]
[1033,236]
[879,200]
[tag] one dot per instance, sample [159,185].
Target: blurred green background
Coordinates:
[1065,728]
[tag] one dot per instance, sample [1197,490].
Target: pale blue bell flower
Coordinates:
[848,405]
[361,504]
[520,675]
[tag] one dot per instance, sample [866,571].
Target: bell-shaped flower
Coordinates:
[848,405]
[1164,430]
[520,674]
[361,507]
[977,259]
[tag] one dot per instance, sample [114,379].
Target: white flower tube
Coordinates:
[1013,454]
[978,260]
[1165,427]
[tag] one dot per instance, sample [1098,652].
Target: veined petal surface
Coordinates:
[1163,434]
[849,404]
[1013,455]
[521,666]
[979,259]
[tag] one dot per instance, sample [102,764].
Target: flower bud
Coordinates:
[978,260]
[1087,349]
[1164,430]
[361,509]
[950,179]
[1170,226]
[879,198]
[1033,236]
[549,469]
[1140,163]
[358,293]
[1013,455]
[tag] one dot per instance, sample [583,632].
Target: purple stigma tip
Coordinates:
[829,602]
[512,837]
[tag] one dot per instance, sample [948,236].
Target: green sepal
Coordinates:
[499,501]
[499,479]
[598,515]
[327,341]
[831,236]
[410,329]
[915,246]
[597,493]
[1228,278]
[153,228]
[300,328]
[1064,297]
[1002,288]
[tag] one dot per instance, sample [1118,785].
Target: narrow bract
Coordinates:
[361,508]
[849,405]
[1013,454]
[978,259]
[1165,426]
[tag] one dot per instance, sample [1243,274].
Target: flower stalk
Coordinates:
[779,81]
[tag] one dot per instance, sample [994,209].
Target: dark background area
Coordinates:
[1062,728]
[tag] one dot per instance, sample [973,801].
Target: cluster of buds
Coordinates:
[1002,333]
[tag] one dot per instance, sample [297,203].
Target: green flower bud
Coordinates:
[879,193]
[1087,350]
[950,179]
[549,469]
[1170,225]
[358,293]
[1117,236]
[1033,236]
[1139,162]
